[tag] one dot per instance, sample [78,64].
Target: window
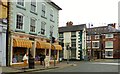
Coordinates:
[51,15]
[88,44]
[20,2]
[88,37]
[43,28]
[33,5]
[109,36]
[108,53]
[73,34]
[43,10]
[51,28]
[73,42]
[109,44]
[32,25]
[95,44]
[97,36]
[19,21]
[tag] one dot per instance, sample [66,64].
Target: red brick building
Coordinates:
[103,42]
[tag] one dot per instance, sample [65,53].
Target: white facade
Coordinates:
[67,40]
[2,45]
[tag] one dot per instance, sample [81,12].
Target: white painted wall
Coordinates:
[3,45]
[67,39]
[84,42]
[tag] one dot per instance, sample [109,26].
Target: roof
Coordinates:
[101,30]
[72,28]
[53,4]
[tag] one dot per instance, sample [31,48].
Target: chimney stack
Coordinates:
[113,25]
[70,23]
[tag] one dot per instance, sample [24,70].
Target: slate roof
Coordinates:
[53,4]
[72,28]
[101,30]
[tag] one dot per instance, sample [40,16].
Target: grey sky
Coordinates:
[97,12]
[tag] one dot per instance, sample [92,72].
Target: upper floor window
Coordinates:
[109,36]
[97,37]
[43,28]
[51,28]
[32,25]
[20,2]
[95,44]
[51,15]
[43,10]
[19,21]
[33,5]
[88,37]
[73,34]
[73,42]
[109,44]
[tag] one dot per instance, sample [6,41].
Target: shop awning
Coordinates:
[43,45]
[22,43]
[56,47]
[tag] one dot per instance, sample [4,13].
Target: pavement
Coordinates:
[14,70]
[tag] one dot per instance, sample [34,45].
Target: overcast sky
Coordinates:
[97,12]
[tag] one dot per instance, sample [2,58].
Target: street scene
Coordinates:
[42,36]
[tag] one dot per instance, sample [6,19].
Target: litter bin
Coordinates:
[31,63]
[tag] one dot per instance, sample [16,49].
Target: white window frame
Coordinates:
[51,14]
[107,50]
[106,44]
[107,36]
[22,21]
[22,2]
[97,36]
[33,5]
[32,25]
[94,42]
[43,27]
[44,15]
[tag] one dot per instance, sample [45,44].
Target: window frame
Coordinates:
[43,27]
[51,14]
[34,5]
[43,10]
[22,26]
[21,2]
[97,36]
[95,45]
[32,26]
[109,36]
[106,44]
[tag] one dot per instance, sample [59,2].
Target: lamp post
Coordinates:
[52,41]
[90,38]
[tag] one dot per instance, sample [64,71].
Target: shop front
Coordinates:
[42,48]
[19,49]
[55,52]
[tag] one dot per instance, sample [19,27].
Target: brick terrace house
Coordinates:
[103,42]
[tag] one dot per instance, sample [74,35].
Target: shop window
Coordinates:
[53,53]
[18,54]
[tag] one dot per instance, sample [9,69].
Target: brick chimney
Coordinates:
[70,23]
[113,25]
